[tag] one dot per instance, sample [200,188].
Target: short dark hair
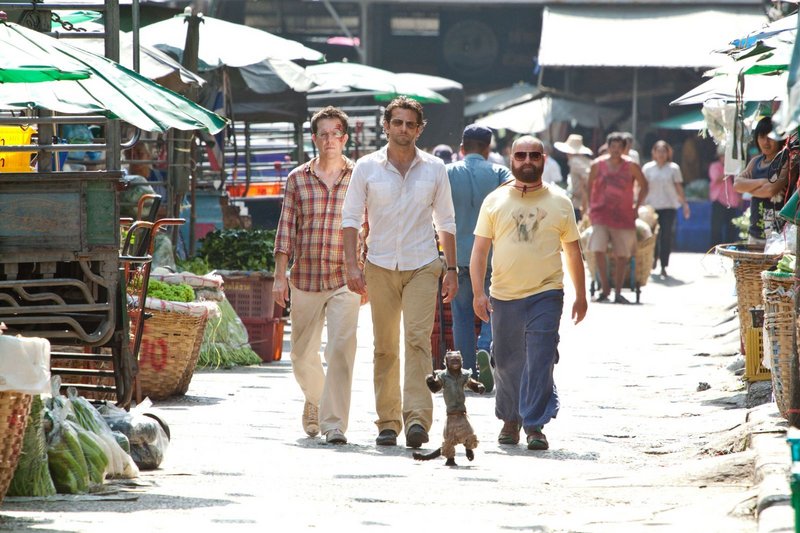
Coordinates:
[763,127]
[329,112]
[616,136]
[472,146]
[404,102]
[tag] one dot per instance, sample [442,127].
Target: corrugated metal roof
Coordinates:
[642,36]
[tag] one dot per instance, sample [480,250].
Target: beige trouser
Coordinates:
[330,392]
[412,292]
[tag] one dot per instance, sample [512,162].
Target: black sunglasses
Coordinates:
[521,156]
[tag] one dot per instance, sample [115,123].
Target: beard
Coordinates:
[527,173]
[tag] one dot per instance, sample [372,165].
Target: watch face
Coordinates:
[470,45]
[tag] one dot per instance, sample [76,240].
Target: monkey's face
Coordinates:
[454,364]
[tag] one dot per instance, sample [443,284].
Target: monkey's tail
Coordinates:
[427,456]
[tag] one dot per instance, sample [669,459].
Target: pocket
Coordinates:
[423,193]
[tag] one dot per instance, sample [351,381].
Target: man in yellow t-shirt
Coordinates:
[527,223]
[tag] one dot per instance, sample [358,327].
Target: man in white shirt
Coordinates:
[406,193]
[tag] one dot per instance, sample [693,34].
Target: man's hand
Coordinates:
[355,280]
[280,290]
[579,309]
[481,306]
[481,388]
[449,286]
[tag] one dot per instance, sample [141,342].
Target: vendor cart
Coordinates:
[638,270]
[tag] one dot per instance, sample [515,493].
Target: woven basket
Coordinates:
[170,347]
[748,263]
[779,333]
[14,409]
[186,378]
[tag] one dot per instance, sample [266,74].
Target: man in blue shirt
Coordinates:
[471,180]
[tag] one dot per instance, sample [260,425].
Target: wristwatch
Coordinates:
[454,269]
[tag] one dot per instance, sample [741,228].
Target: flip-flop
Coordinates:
[601,299]
[619,299]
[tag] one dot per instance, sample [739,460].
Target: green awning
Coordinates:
[693,120]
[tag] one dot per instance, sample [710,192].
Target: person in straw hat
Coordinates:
[579,162]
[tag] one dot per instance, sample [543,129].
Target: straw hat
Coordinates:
[574,145]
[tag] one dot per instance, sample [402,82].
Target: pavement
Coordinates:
[625,444]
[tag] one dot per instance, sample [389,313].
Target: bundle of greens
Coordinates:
[787,263]
[170,292]
[225,342]
[119,464]
[32,476]
[66,459]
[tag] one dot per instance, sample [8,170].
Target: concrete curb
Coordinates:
[774,510]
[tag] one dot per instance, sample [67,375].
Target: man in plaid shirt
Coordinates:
[310,235]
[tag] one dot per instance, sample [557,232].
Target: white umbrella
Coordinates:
[153,63]
[537,115]
[225,43]
[756,89]
[382,84]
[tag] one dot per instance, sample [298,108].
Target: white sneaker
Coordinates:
[311,419]
[335,436]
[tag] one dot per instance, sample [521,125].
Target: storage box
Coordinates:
[754,369]
[250,294]
[16,136]
[265,337]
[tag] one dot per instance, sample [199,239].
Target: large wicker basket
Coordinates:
[14,409]
[779,334]
[748,263]
[170,347]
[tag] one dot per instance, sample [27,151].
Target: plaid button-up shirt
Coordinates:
[310,228]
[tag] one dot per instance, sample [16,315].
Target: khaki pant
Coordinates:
[412,293]
[330,392]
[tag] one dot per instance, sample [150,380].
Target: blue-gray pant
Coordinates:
[525,351]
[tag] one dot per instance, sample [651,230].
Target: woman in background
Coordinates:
[726,203]
[665,196]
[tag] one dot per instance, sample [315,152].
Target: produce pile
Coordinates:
[180,292]
[69,447]
[787,263]
[225,341]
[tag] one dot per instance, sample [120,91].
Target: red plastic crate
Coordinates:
[251,295]
[265,337]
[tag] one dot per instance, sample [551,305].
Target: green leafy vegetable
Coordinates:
[239,249]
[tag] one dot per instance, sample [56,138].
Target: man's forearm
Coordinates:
[281,262]
[448,241]
[350,241]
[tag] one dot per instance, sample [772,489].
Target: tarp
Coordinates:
[641,36]
[484,103]
[537,115]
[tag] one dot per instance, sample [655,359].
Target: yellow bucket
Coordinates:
[16,161]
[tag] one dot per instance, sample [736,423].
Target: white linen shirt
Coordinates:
[400,210]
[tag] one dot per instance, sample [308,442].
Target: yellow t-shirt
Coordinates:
[526,232]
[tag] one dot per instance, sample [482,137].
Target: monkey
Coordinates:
[457,430]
